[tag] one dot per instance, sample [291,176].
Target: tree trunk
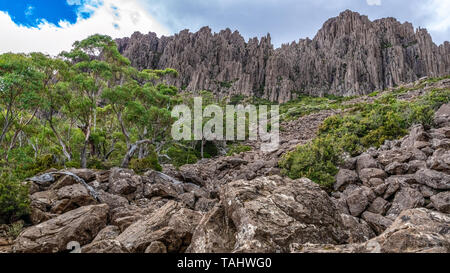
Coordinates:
[131,150]
[201,148]
[61,142]
[87,131]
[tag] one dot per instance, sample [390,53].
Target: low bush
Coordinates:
[144,164]
[237,149]
[367,125]
[14,201]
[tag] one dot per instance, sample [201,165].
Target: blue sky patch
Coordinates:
[31,12]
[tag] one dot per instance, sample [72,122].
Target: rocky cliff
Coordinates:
[350,55]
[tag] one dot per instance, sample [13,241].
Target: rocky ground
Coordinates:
[392,199]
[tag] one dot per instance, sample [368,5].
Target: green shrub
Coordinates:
[181,156]
[367,125]
[236,99]
[15,229]
[316,160]
[14,202]
[237,149]
[148,163]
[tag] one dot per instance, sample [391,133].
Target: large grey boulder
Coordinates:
[406,198]
[434,179]
[345,177]
[80,225]
[442,116]
[172,224]
[413,231]
[441,201]
[359,199]
[269,214]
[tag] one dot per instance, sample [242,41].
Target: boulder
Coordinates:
[80,225]
[441,201]
[112,200]
[271,213]
[108,233]
[440,161]
[125,183]
[375,182]
[442,116]
[357,229]
[215,233]
[440,143]
[376,221]
[406,198]
[397,155]
[379,206]
[104,246]
[86,174]
[416,135]
[365,161]
[72,197]
[156,247]
[415,165]
[359,199]
[345,177]
[171,224]
[349,163]
[396,168]
[64,181]
[413,231]
[434,179]
[368,173]
[43,200]
[392,187]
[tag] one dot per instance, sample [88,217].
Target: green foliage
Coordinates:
[316,160]
[236,99]
[305,105]
[15,229]
[180,156]
[367,125]
[148,163]
[14,202]
[386,45]
[237,149]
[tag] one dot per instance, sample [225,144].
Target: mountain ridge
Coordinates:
[350,55]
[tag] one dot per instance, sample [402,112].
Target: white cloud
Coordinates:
[116,18]
[29,11]
[373,2]
[440,19]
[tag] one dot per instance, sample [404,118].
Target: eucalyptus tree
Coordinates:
[55,92]
[96,65]
[20,84]
[143,111]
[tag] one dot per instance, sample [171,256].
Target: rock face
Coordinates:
[270,214]
[80,225]
[413,231]
[350,55]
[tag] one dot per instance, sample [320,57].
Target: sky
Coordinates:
[51,26]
